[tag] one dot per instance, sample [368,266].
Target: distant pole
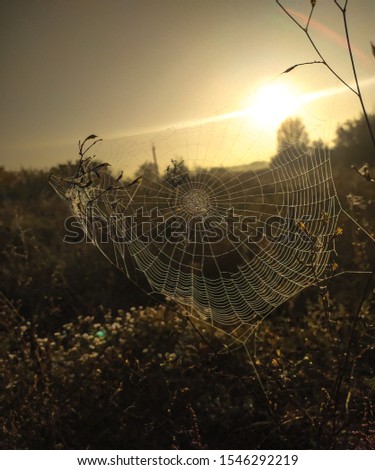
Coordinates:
[155,160]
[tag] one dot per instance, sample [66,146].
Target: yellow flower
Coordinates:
[339,231]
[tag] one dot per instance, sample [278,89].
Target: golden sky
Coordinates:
[124,67]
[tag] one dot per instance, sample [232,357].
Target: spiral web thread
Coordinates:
[227,245]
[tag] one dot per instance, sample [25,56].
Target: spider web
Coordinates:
[228,244]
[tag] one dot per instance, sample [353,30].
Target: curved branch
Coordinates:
[312,42]
[354,69]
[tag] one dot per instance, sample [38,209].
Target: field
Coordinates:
[89,361]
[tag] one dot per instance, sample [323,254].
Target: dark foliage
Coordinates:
[82,368]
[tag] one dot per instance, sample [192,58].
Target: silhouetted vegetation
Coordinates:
[83,365]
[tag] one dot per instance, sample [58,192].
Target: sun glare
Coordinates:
[271,104]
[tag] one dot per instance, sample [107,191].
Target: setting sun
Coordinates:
[271,104]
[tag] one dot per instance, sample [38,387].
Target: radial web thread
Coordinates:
[227,245]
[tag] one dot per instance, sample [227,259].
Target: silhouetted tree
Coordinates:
[353,144]
[291,137]
[148,171]
[291,132]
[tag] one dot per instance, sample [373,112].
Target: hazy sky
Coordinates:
[120,67]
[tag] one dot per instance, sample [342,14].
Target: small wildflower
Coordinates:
[339,231]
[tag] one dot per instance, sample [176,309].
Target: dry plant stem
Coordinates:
[241,379]
[310,16]
[360,227]
[270,410]
[357,89]
[359,92]
[305,29]
[340,375]
[289,69]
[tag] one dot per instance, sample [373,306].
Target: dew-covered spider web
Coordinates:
[189,214]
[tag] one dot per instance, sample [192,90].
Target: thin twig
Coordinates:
[312,42]
[354,69]
[356,90]
[289,69]
[309,19]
